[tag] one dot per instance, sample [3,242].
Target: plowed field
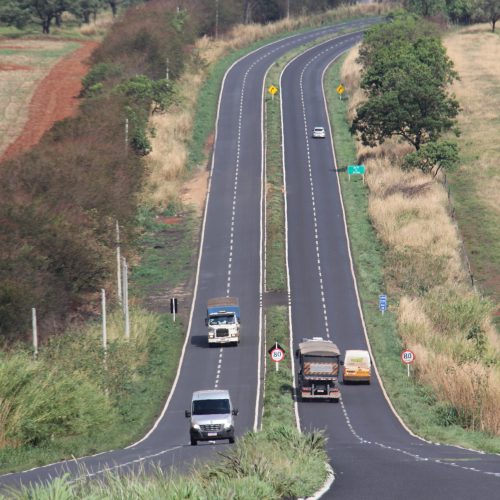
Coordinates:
[39,84]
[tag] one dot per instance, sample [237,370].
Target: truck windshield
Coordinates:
[211,407]
[223,319]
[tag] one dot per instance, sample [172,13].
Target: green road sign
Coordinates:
[356,169]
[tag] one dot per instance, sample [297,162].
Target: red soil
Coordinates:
[55,98]
[14,67]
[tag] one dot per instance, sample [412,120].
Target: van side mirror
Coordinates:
[341,362]
[297,353]
[187,413]
[206,321]
[235,411]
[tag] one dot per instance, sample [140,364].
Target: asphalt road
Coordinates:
[372,454]
[230,263]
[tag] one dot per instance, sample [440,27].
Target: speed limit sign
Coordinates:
[407,357]
[277,354]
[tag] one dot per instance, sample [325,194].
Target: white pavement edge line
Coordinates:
[289,292]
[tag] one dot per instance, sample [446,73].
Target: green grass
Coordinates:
[415,403]
[480,229]
[167,252]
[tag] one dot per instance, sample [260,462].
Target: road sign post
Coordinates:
[382,303]
[173,307]
[356,170]
[340,90]
[277,354]
[272,90]
[408,357]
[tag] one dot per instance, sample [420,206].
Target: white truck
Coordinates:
[223,320]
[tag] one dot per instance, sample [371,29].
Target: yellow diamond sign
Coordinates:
[272,89]
[340,89]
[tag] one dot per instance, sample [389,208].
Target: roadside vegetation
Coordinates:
[410,248]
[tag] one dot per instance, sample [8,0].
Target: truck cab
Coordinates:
[223,320]
[211,416]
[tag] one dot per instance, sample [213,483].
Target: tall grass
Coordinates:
[433,309]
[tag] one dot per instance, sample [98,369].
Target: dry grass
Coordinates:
[167,162]
[475,55]
[446,324]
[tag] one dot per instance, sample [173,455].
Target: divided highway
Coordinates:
[230,263]
[372,454]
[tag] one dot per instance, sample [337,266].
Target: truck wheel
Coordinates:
[335,400]
[231,440]
[193,442]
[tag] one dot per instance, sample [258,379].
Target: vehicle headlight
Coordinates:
[196,427]
[228,425]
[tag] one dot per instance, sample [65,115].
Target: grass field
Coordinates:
[476,185]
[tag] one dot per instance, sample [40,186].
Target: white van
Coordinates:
[356,366]
[211,416]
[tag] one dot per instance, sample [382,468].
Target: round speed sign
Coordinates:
[407,357]
[277,355]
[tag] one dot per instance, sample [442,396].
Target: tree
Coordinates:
[406,82]
[432,157]
[426,8]
[491,9]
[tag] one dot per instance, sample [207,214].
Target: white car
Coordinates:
[319,133]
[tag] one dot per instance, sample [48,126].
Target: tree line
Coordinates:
[458,11]
[219,14]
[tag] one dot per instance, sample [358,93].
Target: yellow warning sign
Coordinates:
[272,89]
[340,89]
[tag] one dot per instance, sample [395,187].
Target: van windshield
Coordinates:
[211,407]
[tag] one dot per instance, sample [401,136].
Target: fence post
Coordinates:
[35,333]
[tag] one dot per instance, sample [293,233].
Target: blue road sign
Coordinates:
[382,302]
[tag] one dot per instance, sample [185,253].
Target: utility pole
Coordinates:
[125,300]
[126,135]
[104,329]
[216,19]
[166,73]
[118,264]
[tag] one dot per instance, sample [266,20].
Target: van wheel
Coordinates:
[193,442]
[231,440]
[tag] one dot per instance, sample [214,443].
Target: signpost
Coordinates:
[382,303]
[408,357]
[356,170]
[173,307]
[277,354]
[272,90]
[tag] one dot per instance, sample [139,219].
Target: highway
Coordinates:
[230,263]
[372,454]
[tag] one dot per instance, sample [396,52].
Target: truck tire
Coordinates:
[193,442]
[231,440]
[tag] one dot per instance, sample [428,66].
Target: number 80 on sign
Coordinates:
[277,355]
[407,357]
